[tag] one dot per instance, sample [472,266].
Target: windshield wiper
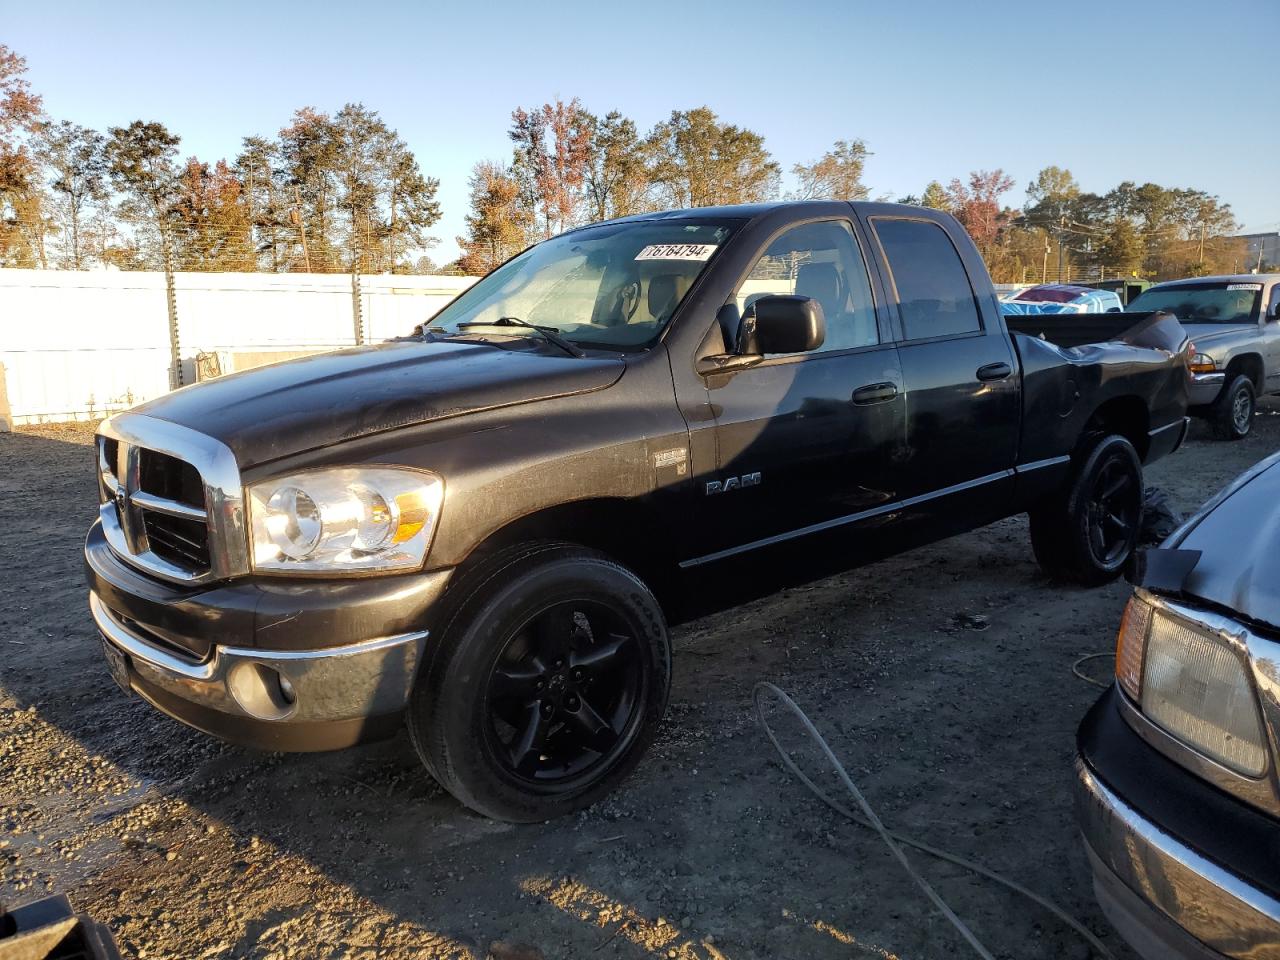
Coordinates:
[550,334]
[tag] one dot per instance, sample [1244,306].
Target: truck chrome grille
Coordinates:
[171,500]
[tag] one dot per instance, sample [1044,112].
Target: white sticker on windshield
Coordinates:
[677,251]
[1244,286]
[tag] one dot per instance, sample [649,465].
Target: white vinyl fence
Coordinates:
[78,345]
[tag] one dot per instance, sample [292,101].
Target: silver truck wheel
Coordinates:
[1233,412]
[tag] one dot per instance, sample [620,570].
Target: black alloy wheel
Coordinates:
[565,692]
[1088,529]
[547,676]
[1113,512]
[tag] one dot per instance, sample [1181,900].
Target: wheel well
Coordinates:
[1127,416]
[1250,364]
[626,531]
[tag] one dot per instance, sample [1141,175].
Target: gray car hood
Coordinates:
[1239,538]
[1207,334]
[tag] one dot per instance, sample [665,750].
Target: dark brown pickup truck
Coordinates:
[485,528]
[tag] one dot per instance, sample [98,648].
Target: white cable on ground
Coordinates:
[1075,668]
[895,841]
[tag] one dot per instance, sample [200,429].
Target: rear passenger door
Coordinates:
[960,371]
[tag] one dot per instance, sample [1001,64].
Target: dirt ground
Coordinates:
[962,737]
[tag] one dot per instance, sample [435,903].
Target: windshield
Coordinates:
[614,286]
[1203,302]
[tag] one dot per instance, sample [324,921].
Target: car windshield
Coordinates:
[1203,302]
[614,286]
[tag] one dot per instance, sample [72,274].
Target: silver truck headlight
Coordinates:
[344,520]
[1189,681]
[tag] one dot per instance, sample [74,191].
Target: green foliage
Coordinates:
[616,177]
[697,161]
[141,167]
[836,175]
[935,197]
[499,223]
[75,160]
[337,192]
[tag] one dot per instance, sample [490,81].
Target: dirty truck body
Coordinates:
[484,532]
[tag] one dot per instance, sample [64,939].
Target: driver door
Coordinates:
[804,442]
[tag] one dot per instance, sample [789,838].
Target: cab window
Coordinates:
[935,298]
[821,261]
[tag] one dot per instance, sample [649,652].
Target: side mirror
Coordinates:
[782,324]
[1275,311]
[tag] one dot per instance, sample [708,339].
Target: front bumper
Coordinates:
[278,665]
[1166,897]
[1205,388]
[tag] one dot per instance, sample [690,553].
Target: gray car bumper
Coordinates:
[1205,388]
[274,699]
[1163,897]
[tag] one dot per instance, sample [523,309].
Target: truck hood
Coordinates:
[1209,334]
[299,405]
[1239,540]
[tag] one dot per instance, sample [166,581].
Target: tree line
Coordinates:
[342,192]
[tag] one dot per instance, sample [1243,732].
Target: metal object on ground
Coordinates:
[48,930]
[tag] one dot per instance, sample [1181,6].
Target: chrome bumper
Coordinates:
[319,686]
[1205,388]
[1226,915]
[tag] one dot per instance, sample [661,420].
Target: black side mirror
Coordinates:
[782,324]
[1275,310]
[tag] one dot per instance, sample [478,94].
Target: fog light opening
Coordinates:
[261,691]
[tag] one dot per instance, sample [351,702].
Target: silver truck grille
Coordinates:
[171,501]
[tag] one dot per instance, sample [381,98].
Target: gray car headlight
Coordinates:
[1187,680]
[344,520]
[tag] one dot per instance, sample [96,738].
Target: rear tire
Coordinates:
[1232,416]
[545,685]
[1088,532]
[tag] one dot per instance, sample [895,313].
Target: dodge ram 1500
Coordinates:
[483,529]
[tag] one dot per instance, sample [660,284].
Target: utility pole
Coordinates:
[302,227]
[171,299]
[357,307]
[1062,232]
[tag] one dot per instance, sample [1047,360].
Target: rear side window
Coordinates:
[935,298]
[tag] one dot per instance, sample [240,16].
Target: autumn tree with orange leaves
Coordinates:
[552,150]
[22,219]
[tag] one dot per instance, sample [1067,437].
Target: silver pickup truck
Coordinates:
[1235,324]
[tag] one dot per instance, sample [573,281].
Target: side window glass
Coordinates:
[822,261]
[935,298]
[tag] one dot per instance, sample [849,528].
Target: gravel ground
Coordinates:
[962,737]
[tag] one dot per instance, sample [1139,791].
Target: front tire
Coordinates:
[1232,417]
[1088,532]
[546,685]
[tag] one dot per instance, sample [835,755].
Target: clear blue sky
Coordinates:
[1175,92]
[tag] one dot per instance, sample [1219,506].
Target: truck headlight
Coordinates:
[347,519]
[1189,681]
[1201,363]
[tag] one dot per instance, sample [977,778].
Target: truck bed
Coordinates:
[1078,329]
[1073,365]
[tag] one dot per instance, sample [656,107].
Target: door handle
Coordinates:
[875,393]
[994,371]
